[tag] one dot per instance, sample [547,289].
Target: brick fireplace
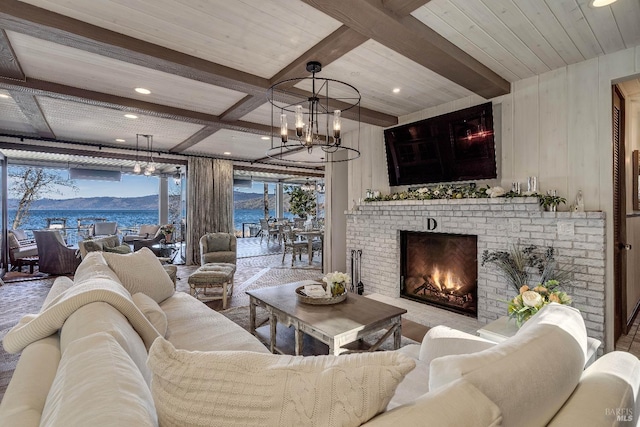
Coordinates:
[578,237]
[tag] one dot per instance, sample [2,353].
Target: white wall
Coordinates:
[556,126]
[336,203]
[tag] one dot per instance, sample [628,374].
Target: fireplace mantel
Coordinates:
[578,237]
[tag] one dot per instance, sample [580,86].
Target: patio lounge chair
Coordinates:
[147,231]
[21,248]
[55,257]
[105,229]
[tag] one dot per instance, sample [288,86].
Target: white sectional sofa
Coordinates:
[117,346]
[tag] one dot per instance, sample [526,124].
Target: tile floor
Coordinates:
[631,341]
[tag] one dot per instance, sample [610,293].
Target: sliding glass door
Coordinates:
[4,246]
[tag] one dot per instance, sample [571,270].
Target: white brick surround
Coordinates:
[579,240]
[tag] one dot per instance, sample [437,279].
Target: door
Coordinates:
[619,217]
[4,244]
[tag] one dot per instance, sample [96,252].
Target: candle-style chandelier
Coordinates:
[150,166]
[316,116]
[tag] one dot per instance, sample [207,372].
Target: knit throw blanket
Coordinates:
[34,327]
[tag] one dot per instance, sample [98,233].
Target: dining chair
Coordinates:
[292,244]
[268,230]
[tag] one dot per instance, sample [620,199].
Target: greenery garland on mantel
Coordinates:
[460,191]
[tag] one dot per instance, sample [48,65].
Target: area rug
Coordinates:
[20,276]
[240,315]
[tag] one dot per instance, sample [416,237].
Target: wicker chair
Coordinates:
[218,247]
[55,257]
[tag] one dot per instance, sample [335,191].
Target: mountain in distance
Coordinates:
[242,200]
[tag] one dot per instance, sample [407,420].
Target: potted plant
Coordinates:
[550,201]
[168,230]
[301,202]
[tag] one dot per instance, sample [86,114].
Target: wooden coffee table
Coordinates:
[335,325]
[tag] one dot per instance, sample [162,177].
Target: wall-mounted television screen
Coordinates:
[457,146]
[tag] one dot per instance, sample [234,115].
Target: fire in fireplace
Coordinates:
[440,269]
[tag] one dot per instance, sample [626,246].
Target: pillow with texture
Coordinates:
[120,249]
[151,311]
[91,246]
[95,376]
[218,242]
[148,230]
[13,241]
[254,389]
[92,267]
[141,271]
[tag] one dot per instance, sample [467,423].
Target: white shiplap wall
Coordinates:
[556,126]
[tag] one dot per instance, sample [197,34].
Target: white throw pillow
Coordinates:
[141,271]
[97,384]
[444,341]
[223,388]
[151,311]
[94,266]
[530,375]
[457,404]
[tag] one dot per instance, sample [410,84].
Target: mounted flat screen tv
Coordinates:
[457,146]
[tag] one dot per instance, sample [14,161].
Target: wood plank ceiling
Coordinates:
[69,68]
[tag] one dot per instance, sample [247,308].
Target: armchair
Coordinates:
[105,228]
[218,247]
[146,232]
[20,247]
[55,257]
[149,243]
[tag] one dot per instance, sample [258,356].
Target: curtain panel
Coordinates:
[209,201]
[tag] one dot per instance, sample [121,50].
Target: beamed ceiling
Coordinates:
[70,67]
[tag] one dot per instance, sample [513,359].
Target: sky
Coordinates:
[257,187]
[130,185]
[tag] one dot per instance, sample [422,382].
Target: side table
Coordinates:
[31,261]
[503,328]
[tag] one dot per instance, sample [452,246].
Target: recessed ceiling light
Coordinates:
[120,140]
[396,90]
[227,153]
[143,91]
[266,138]
[2,95]
[131,116]
[601,3]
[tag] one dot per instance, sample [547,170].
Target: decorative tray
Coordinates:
[319,301]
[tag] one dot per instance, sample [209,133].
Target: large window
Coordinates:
[130,202]
[4,244]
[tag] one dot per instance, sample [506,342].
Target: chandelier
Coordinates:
[177,176]
[308,186]
[316,117]
[150,166]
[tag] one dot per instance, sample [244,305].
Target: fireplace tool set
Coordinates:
[356,270]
